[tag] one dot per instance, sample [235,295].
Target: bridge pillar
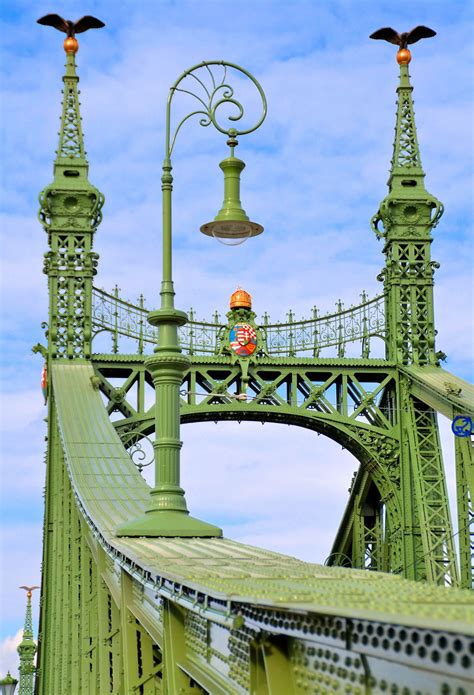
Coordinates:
[408,214]
[464,451]
[70,212]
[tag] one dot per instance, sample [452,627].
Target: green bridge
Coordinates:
[138,596]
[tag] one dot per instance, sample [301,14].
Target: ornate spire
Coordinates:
[406,170]
[71,165]
[71,142]
[404,220]
[27,649]
[70,212]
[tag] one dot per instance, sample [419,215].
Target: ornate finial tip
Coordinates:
[71,28]
[403,56]
[71,45]
[240,299]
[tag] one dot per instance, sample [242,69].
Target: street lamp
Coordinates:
[8,685]
[167,513]
[231,226]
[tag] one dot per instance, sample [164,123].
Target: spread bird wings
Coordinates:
[87,22]
[387,34]
[54,20]
[420,32]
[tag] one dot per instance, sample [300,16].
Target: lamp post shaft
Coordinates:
[167,290]
[167,513]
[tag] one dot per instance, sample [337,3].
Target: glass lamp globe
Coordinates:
[231,232]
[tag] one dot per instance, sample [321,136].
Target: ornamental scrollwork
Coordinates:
[382,449]
[208,83]
[139,448]
[286,339]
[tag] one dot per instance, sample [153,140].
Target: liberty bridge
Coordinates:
[137,595]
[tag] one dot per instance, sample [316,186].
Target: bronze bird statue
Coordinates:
[402,40]
[71,28]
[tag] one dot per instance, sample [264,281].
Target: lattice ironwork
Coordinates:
[71,143]
[406,153]
[435,554]
[70,212]
[291,338]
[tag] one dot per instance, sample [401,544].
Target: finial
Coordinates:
[29,590]
[402,40]
[71,44]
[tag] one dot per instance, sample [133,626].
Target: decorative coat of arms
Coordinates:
[243,339]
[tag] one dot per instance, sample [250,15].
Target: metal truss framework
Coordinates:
[400,520]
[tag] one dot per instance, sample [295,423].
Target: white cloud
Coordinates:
[9,660]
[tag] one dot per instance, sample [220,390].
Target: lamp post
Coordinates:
[167,513]
[8,684]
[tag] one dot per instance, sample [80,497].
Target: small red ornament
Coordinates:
[44,382]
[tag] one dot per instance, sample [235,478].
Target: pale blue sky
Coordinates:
[316,172]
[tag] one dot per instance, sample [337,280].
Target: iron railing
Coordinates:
[289,338]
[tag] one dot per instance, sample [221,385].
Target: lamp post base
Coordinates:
[168,523]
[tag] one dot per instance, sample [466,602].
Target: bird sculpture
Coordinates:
[29,589]
[71,28]
[402,40]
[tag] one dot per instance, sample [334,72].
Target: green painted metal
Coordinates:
[27,650]
[211,611]
[232,222]
[70,212]
[362,324]
[408,214]
[464,451]
[139,597]
[167,513]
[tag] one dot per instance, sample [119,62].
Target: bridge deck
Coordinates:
[443,391]
[110,490]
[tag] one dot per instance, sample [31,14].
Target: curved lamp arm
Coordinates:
[212,92]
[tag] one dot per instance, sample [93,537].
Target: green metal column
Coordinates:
[70,212]
[174,650]
[464,451]
[408,214]
[438,559]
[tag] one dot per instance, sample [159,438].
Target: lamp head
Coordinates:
[8,684]
[231,226]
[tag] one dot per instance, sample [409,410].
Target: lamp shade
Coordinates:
[231,226]
[8,684]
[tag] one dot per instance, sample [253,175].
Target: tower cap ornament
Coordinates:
[29,589]
[240,299]
[71,44]
[402,40]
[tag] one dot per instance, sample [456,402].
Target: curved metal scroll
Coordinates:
[214,91]
[133,442]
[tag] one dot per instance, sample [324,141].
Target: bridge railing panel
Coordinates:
[336,333]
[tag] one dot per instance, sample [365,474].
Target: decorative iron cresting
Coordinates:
[290,338]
